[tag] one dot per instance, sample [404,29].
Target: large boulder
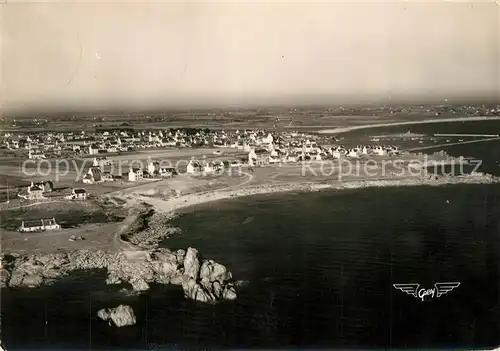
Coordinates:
[229,292]
[214,271]
[4,277]
[121,316]
[195,291]
[139,285]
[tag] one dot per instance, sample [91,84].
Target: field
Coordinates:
[279,117]
[67,214]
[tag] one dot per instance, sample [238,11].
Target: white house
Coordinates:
[291,158]
[353,153]
[166,172]
[193,167]
[153,167]
[101,162]
[269,139]
[77,194]
[393,150]
[274,157]
[35,155]
[208,168]
[38,226]
[93,149]
[380,151]
[336,153]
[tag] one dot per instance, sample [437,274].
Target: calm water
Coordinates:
[320,268]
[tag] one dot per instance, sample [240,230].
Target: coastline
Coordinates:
[139,266]
[170,206]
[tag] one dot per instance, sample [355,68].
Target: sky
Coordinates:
[89,54]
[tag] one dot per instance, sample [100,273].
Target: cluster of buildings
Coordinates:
[97,174]
[50,144]
[36,191]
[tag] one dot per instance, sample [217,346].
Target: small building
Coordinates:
[93,175]
[93,149]
[291,158]
[194,167]
[380,151]
[258,158]
[353,153]
[35,192]
[88,179]
[39,225]
[79,194]
[235,163]
[107,177]
[166,172]
[46,186]
[35,155]
[101,162]
[208,169]
[153,167]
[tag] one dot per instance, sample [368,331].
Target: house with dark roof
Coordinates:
[39,225]
[79,194]
[93,175]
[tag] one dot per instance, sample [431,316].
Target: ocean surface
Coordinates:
[320,269]
[487,152]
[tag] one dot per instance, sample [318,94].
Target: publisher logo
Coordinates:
[422,294]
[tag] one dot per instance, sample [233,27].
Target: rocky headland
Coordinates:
[201,280]
[150,229]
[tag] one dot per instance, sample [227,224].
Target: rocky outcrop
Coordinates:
[201,280]
[191,263]
[121,316]
[209,283]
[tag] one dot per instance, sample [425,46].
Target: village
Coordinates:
[213,154]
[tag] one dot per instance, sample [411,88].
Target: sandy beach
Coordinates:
[173,204]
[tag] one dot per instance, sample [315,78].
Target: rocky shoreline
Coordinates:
[150,229]
[201,280]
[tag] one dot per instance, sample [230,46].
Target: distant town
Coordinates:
[261,148]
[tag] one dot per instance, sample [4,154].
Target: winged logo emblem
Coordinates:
[413,289]
[410,289]
[444,288]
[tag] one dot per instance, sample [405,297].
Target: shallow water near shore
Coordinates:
[320,268]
